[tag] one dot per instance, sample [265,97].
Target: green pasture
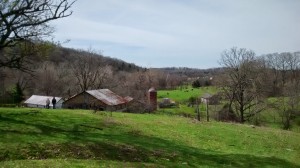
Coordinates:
[81,138]
[182,95]
[269,117]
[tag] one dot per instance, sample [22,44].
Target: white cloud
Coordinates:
[96,31]
[192,32]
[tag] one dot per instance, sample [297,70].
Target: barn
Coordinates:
[101,99]
[205,98]
[40,101]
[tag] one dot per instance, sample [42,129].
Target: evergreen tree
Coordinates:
[17,93]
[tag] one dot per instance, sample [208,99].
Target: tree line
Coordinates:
[65,72]
[249,80]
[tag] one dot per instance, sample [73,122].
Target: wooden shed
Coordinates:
[102,99]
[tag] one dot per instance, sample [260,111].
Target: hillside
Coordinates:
[69,138]
[192,72]
[50,72]
[59,55]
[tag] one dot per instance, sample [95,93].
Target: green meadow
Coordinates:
[269,117]
[182,95]
[81,138]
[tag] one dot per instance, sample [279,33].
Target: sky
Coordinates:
[180,33]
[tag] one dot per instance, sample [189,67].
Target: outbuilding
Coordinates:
[205,98]
[40,101]
[101,99]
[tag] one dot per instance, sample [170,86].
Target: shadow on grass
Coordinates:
[43,129]
[142,149]
[168,153]
[125,146]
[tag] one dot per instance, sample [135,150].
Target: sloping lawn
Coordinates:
[81,138]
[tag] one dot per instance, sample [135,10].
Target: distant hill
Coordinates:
[56,70]
[192,72]
[62,54]
[58,55]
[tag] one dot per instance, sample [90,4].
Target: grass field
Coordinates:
[80,138]
[182,95]
[268,117]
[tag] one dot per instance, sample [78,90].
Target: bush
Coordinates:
[196,84]
[226,114]
[192,101]
[215,99]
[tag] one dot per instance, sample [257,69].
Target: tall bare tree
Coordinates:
[291,85]
[239,85]
[48,79]
[89,71]
[23,22]
[286,71]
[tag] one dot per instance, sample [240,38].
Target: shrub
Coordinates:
[196,84]
[192,101]
[227,114]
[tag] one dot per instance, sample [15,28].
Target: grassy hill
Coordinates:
[81,138]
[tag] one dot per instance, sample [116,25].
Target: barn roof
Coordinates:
[107,96]
[40,100]
[152,89]
[128,98]
[206,96]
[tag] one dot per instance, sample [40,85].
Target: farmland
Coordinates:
[184,94]
[181,97]
[269,117]
[68,138]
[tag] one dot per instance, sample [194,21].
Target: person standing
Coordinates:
[48,103]
[53,102]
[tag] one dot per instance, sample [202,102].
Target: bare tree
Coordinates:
[239,85]
[47,79]
[291,86]
[89,72]
[286,70]
[22,22]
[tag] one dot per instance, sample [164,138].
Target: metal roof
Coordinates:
[128,98]
[206,96]
[41,100]
[152,89]
[107,96]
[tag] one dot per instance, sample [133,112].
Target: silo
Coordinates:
[152,98]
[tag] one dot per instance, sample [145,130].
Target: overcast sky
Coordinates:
[181,33]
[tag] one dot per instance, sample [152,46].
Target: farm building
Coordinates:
[102,99]
[40,101]
[205,98]
[210,99]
